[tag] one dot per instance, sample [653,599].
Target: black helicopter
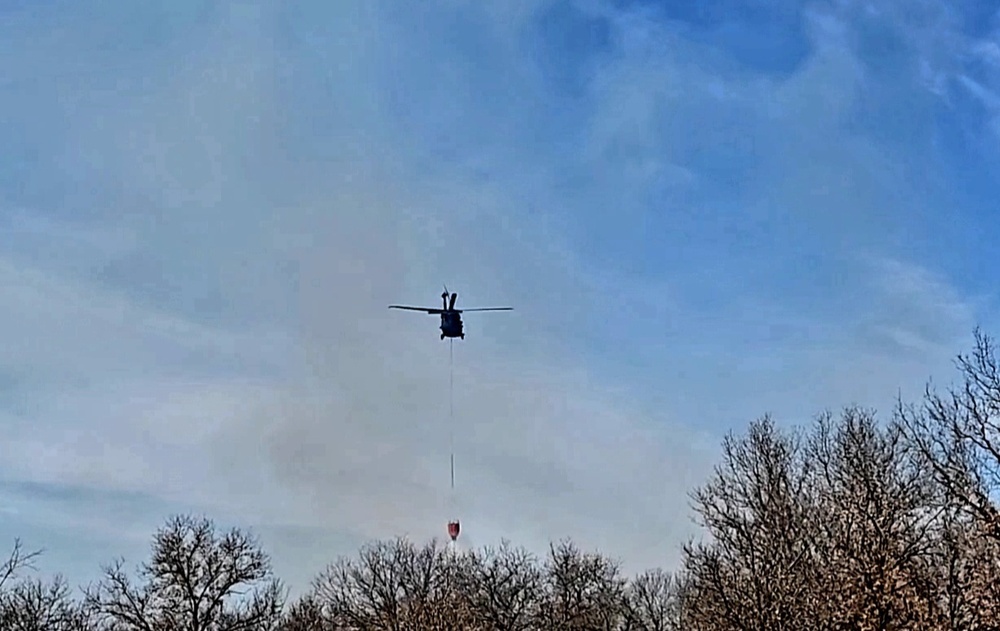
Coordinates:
[451,318]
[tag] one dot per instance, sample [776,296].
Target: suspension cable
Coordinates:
[451,408]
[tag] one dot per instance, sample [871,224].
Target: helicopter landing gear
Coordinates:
[462,336]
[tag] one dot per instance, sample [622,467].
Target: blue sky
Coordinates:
[702,212]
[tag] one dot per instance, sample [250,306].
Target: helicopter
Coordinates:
[451,318]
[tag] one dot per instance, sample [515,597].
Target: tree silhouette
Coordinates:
[198,579]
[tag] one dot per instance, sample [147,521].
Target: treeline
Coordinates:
[849,523]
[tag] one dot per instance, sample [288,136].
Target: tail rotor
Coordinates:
[445,302]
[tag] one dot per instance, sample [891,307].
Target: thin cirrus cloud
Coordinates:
[203,227]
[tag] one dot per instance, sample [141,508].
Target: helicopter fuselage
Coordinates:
[451,325]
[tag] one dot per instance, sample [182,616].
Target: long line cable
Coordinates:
[451,408]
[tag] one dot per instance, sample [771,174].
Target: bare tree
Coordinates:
[958,434]
[968,574]
[16,561]
[392,585]
[35,605]
[874,523]
[581,591]
[306,614]
[198,579]
[501,587]
[652,602]
[758,570]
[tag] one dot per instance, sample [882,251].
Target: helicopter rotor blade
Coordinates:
[427,310]
[487,309]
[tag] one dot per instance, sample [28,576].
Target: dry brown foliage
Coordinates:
[397,585]
[873,543]
[846,527]
[758,569]
[958,435]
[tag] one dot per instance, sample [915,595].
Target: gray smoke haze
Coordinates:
[195,281]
